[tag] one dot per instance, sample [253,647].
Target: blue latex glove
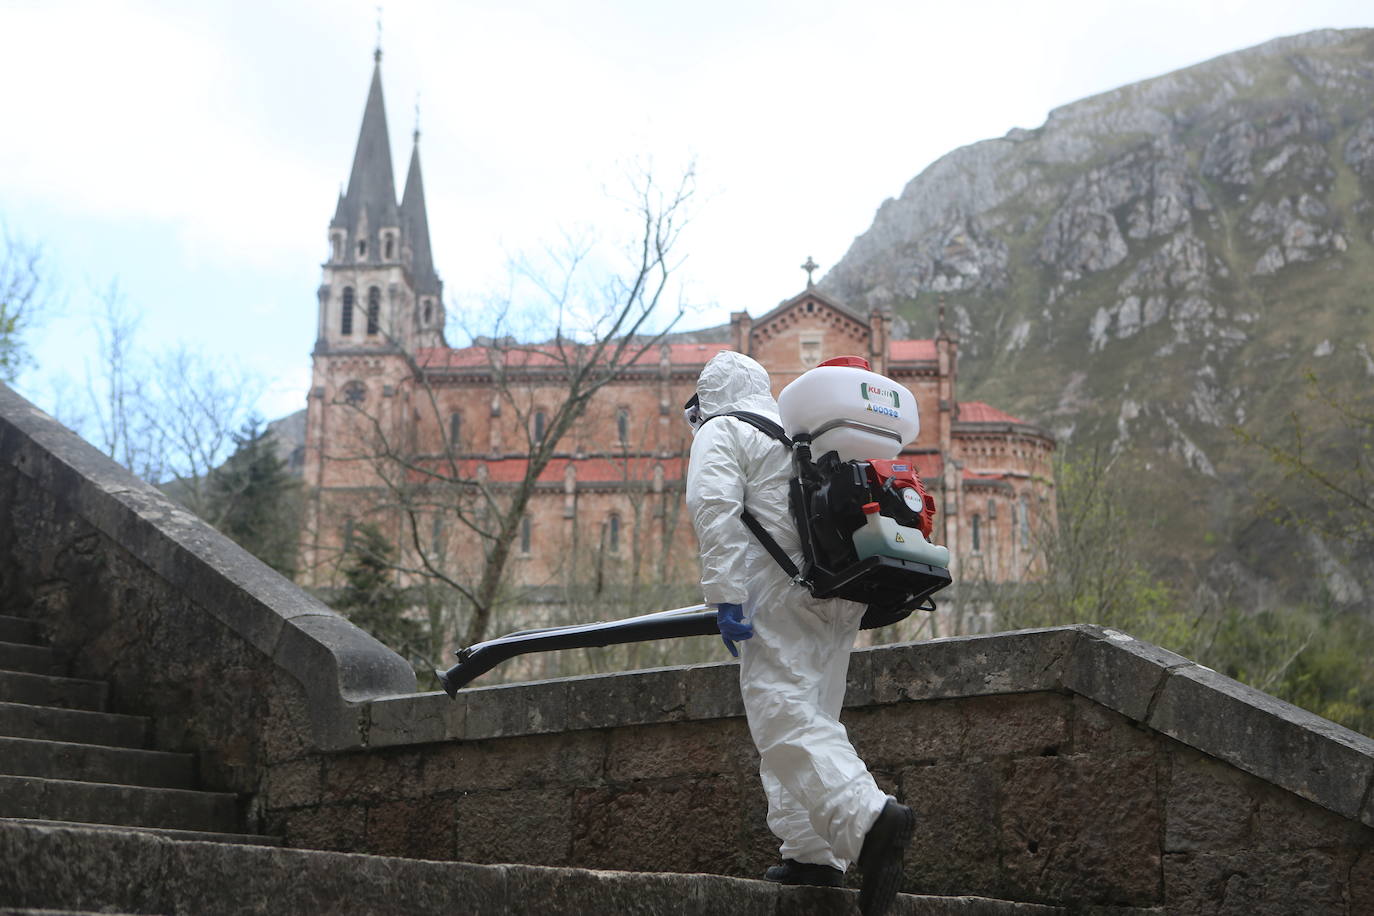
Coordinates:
[732,625]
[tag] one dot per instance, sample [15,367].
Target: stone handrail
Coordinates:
[63,499]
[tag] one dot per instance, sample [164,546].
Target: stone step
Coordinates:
[21,720]
[102,803]
[46,690]
[32,659]
[20,630]
[93,763]
[195,836]
[11,911]
[79,868]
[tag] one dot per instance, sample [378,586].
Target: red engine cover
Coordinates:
[903,475]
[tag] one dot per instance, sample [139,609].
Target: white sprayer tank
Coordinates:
[849,409]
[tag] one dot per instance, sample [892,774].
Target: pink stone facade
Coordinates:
[610,505]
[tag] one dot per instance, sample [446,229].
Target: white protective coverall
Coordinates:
[821,798]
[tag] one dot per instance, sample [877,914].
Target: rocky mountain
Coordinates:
[1155,268]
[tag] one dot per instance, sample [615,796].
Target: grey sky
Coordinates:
[194,150]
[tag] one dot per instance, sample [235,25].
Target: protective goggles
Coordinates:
[691,412]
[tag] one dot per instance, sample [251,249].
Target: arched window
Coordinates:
[390,247]
[336,246]
[346,319]
[1024,506]
[525,533]
[362,248]
[613,533]
[374,310]
[622,425]
[429,311]
[976,528]
[539,423]
[455,430]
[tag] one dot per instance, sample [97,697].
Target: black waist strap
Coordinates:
[769,544]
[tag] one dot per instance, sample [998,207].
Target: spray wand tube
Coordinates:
[476,660]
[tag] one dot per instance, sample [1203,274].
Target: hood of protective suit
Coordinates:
[733,381]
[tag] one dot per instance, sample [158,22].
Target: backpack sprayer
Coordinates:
[862,514]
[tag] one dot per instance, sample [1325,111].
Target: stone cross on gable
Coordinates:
[810,266]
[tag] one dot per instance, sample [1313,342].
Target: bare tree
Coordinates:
[600,323]
[21,289]
[1327,451]
[171,417]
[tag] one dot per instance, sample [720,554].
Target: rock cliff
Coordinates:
[1154,267]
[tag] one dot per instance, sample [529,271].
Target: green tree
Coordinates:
[254,500]
[372,599]
[1325,455]
[1088,568]
[21,284]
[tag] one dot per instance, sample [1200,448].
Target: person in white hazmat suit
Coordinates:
[822,802]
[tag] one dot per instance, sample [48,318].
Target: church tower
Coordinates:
[380,291]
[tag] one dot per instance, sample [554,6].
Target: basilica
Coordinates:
[390,402]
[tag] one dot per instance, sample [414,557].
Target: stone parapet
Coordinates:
[230,658]
[1071,766]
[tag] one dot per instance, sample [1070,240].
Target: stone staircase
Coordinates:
[65,760]
[91,820]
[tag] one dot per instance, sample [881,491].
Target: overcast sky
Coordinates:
[193,150]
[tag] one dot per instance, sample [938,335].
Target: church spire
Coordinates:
[371,185]
[416,225]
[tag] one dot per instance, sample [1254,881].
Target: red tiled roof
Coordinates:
[978,412]
[680,354]
[547,356]
[910,351]
[588,470]
[928,465]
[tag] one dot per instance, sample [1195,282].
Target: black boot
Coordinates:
[793,872]
[880,860]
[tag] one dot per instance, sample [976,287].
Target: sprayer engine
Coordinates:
[898,491]
[840,491]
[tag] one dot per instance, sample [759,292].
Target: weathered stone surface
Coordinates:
[516,709]
[713,691]
[1082,829]
[1293,748]
[1361,887]
[515,825]
[337,827]
[899,735]
[390,773]
[1097,729]
[1118,671]
[1256,883]
[294,783]
[956,845]
[1209,806]
[660,825]
[574,759]
[1020,662]
[414,828]
[1023,725]
[685,749]
[643,697]
[415,719]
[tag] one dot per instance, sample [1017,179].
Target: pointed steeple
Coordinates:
[415,222]
[371,184]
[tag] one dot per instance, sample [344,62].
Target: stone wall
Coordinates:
[1073,765]
[232,661]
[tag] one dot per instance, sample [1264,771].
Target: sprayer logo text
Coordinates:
[873,394]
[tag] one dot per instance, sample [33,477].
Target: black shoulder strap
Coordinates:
[761,423]
[773,431]
[769,544]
